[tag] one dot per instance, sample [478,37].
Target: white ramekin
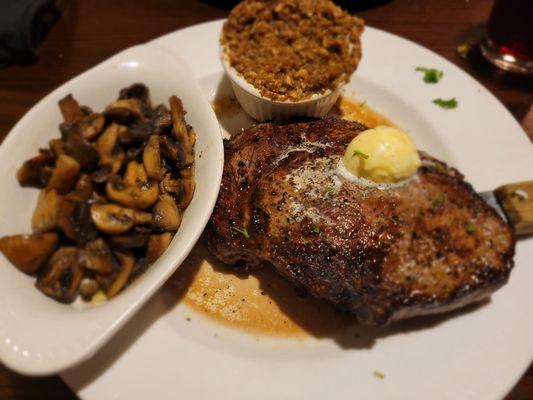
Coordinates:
[262,108]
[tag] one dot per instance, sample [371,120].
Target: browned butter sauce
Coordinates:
[261,301]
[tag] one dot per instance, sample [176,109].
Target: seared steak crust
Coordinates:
[427,246]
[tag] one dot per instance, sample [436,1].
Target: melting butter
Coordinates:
[383,154]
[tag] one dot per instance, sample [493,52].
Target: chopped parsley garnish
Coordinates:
[469,228]
[431,75]
[438,201]
[447,104]
[315,230]
[360,154]
[379,375]
[243,231]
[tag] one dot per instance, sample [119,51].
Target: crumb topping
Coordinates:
[292,49]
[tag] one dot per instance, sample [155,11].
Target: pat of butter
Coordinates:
[383,154]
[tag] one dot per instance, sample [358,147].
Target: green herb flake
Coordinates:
[469,228]
[362,104]
[243,232]
[360,154]
[329,191]
[316,230]
[378,374]
[438,201]
[446,104]
[431,75]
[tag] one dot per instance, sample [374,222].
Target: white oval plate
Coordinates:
[475,354]
[37,334]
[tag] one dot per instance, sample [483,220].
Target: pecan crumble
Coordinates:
[292,49]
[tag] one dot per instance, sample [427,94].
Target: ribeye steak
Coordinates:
[385,254]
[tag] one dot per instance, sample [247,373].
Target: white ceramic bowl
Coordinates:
[37,334]
[262,108]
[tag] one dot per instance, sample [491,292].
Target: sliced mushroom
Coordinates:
[33,172]
[81,150]
[124,111]
[161,119]
[185,136]
[70,109]
[116,282]
[138,197]
[138,131]
[65,174]
[88,288]
[134,240]
[102,174]
[109,149]
[170,184]
[99,258]
[137,91]
[57,146]
[135,174]
[152,159]
[157,244]
[188,186]
[167,216]
[63,275]
[134,190]
[91,125]
[90,202]
[45,216]
[169,148]
[83,189]
[29,253]
[74,219]
[178,119]
[115,220]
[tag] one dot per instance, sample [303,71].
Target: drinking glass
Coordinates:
[509,39]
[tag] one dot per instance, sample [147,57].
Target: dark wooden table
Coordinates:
[92,30]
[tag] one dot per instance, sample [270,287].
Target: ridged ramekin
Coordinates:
[262,108]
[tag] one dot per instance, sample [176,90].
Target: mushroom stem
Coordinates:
[109,149]
[126,266]
[152,159]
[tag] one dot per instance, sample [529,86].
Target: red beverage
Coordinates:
[509,41]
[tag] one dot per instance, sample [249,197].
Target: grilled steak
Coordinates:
[423,247]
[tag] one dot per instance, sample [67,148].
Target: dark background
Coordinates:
[90,31]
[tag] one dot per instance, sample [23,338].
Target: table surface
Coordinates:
[90,31]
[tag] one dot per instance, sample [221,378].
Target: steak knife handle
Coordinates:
[516,200]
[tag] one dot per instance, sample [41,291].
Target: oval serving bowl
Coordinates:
[39,336]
